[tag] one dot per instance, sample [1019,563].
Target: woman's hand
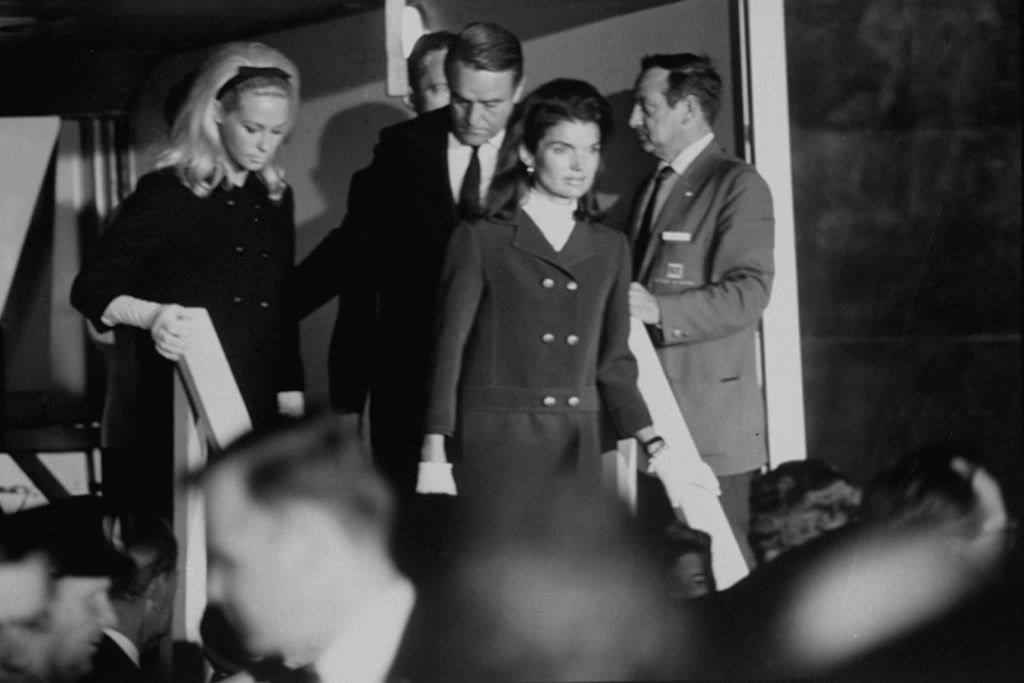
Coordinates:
[435,473]
[171,329]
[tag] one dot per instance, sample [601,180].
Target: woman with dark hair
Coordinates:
[532,374]
[212,227]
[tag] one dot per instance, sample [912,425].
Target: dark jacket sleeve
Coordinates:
[617,369]
[342,266]
[143,222]
[291,376]
[459,295]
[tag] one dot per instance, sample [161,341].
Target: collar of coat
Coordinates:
[527,237]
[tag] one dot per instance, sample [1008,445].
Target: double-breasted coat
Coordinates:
[709,264]
[532,352]
[231,253]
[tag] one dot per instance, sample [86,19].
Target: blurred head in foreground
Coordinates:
[57,642]
[298,525]
[560,588]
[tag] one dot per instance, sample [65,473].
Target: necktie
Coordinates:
[469,193]
[643,236]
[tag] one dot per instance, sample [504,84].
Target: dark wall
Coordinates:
[905,135]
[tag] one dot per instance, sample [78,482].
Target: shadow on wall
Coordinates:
[346,145]
[626,165]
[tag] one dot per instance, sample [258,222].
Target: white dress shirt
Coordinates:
[458,161]
[365,649]
[679,165]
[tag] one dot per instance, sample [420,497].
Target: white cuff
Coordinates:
[436,477]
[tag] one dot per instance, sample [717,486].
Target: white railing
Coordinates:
[690,484]
[209,413]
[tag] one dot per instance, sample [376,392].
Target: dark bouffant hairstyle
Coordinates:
[563,99]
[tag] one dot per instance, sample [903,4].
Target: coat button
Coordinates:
[572,401]
[264,254]
[547,338]
[231,202]
[549,401]
[237,300]
[677,333]
[239,250]
[264,304]
[572,285]
[572,340]
[547,283]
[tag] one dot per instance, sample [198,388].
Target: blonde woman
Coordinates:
[212,227]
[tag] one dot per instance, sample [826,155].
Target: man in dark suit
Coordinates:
[703,235]
[385,260]
[298,528]
[142,597]
[58,643]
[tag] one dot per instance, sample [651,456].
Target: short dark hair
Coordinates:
[485,46]
[563,99]
[149,542]
[314,461]
[425,44]
[689,74]
[797,502]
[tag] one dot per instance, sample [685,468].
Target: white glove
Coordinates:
[291,404]
[171,330]
[676,474]
[436,477]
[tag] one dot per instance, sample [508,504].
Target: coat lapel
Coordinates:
[677,203]
[528,238]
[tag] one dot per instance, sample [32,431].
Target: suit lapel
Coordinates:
[677,203]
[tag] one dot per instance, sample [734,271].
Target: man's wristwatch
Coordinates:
[654,445]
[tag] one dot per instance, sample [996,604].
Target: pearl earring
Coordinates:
[529,170]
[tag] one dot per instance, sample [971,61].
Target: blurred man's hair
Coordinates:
[425,44]
[314,461]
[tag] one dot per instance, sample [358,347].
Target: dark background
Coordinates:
[905,128]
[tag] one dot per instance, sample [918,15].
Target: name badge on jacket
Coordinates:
[670,236]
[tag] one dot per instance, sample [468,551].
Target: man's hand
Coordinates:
[643,305]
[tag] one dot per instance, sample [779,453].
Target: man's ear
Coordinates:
[691,107]
[158,589]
